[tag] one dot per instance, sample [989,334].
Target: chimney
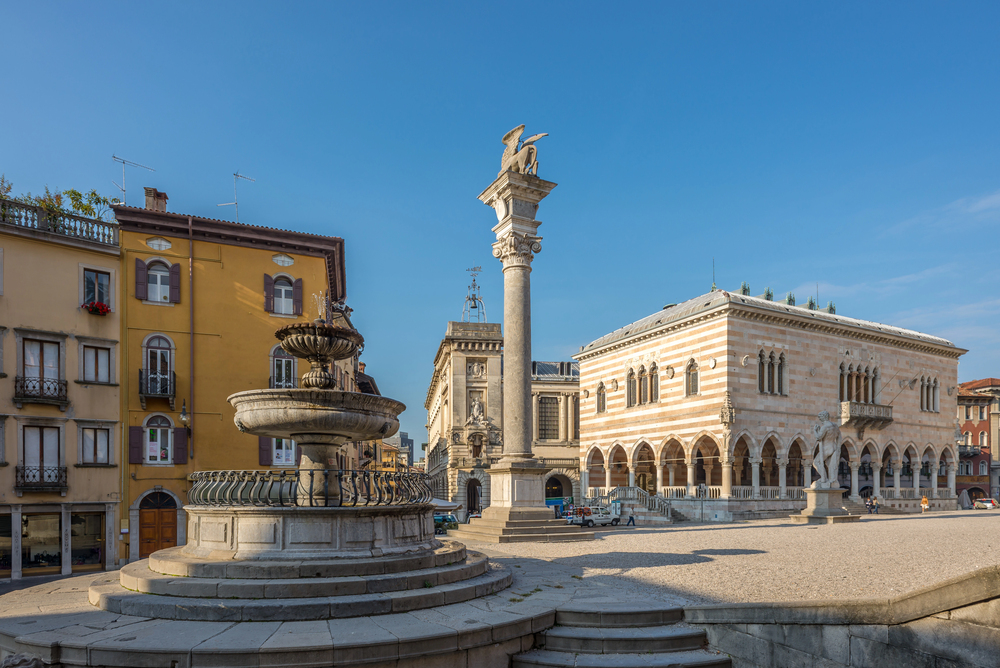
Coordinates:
[155,200]
[361,367]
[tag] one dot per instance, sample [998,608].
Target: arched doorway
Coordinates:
[157,523]
[645,469]
[554,488]
[975,494]
[474,496]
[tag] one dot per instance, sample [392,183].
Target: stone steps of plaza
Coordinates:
[140,577]
[599,633]
[115,598]
[499,535]
[173,561]
[860,509]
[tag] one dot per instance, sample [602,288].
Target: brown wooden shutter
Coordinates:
[141,280]
[264,451]
[268,293]
[135,440]
[297,296]
[180,445]
[298,454]
[175,284]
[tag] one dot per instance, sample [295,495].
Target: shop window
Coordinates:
[87,543]
[41,549]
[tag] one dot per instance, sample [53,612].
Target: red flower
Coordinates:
[97,308]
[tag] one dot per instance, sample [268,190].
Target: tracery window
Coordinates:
[771,373]
[691,379]
[859,384]
[929,394]
[602,398]
[654,384]
[630,389]
[643,385]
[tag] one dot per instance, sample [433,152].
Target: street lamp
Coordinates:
[184,417]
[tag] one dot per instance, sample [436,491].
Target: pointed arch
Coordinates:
[750,441]
[771,435]
[633,452]
[665,441]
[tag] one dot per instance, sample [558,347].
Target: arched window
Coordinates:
[282,369]
[761,372]
[158,362]
[843,383]
[630,389]
[643,385]
[982,469]
[968,438]
[691,379]
[770,373]
[866,386]
[158,282]
[876,385]
[935,397]
[602,399]
[283,301]
[781,374]
[654,384]
[159,440]
[982,439]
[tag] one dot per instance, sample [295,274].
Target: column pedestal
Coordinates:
[824,506]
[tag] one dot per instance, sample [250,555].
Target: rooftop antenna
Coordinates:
[475,309]
[235,202]
[130,164]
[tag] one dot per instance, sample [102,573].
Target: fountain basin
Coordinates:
[316,416]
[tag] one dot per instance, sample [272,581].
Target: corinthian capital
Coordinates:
[517,250]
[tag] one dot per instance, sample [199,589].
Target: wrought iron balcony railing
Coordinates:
[162,385]
[968,450]
[31,389]
[277,383]
[311,487]
[37,218]
[40,478]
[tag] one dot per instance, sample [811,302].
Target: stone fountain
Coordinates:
[311,543]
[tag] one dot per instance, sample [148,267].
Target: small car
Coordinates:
[588,516]
[985,504]
[472,516]
[444,522]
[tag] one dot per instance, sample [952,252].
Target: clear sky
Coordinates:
[851,145]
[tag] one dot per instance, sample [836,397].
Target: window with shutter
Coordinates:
[180,445]
[175,284]
[140,280]
[135,438]
[297,297]
[264,450]
[268,293]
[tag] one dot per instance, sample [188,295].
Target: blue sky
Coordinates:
[853,145]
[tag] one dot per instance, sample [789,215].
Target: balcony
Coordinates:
[969,450]
[281,383]
[30,217]
[40,479]
[863,416]
[34,390]
[157,385]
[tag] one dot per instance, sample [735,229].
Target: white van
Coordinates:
[588,516]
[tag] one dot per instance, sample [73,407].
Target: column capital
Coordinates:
[516,249]
[855,466]
[782,462]
[877,465]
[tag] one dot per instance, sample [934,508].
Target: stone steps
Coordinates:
[603,633]
[141,578]
[861,509]
[486,535]
[114,598]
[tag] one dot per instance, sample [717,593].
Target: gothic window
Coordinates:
[691,379]
[781,374]
[761,373]
[630,389]
[929,397]
[843,383]
[770,374]
[602,399]
[548,418]
[643,385]
[654,384]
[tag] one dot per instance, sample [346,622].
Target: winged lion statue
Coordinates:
[520,156]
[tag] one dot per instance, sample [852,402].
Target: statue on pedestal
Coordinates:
[476,416]
[520,156]
[828,456]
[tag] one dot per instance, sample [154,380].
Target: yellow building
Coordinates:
[200,301]
[59,392]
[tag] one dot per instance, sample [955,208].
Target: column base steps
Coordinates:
[612,634]
[482,530]
[861,509]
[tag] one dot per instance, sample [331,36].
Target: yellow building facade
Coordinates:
[200,302]
[60,370]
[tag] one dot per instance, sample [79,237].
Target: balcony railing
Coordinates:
[968,450]
[39,478]
[159,385]
[31,389]
[66,224]
[281,383]
[862,416]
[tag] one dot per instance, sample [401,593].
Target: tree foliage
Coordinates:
[91,204]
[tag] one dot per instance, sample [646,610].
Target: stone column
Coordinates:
[534,416]
[895,475]
[584,484]
[915,474]
[807,472]
[570,414]
[951,480]
[631,476]
[782,479]
[727,479]
[562,418]
[854,480]
[65,528]
[15,542]
[659,477]
[755,477]
[671,468]
[690,480]
[607,477]
[877,475]
[934,472]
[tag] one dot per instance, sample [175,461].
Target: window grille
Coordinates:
[548,418]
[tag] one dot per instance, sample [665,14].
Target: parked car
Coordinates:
[472,516]
[588,516]
[444,522]
[985,504]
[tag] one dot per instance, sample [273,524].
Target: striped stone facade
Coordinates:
[727,388]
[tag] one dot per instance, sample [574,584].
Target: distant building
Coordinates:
[404,444]
[979,423]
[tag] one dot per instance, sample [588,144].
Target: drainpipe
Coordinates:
[191,355]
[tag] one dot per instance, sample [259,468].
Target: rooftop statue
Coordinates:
[828,456]
[520,156]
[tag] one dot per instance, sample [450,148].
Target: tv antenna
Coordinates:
[130,164]
[474,309]
[235,202]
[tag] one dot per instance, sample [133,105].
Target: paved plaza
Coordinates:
[774,560]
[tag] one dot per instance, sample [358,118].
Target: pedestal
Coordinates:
[824,506]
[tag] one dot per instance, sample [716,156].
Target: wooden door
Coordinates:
[157,530]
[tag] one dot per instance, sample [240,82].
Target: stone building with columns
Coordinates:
[465,417]
[711,403]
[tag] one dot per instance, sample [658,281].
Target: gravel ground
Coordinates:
[773,560]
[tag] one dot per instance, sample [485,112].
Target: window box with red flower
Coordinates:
[97,308]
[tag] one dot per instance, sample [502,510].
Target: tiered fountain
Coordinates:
[315,542]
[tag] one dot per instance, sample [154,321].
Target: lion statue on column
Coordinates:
[520,156]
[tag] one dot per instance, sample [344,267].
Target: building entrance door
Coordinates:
[474,496]
[157,523]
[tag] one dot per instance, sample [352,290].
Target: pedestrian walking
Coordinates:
[631,517]
[875,505]
[868,504]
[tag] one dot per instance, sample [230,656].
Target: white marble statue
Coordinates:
[520,156]
[826,456]
[476,412]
